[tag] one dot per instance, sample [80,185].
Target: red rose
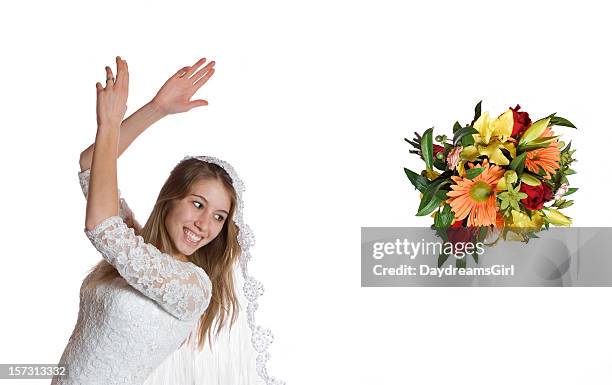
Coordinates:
[459,234]
[436,150]
[521,121]
[536,196]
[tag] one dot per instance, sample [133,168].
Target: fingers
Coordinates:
[205,69]
[204,79]
[122,72]
[194,67]
[198,103]
[109,76]
[180,73]
[122,76]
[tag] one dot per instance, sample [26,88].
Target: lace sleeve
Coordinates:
[181,288]
[124,210]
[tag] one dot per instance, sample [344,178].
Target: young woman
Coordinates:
[172,281]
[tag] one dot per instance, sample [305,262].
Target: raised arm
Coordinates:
[130,129]
[103,197]
[124,209]
[173,97]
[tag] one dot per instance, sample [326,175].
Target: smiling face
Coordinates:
[198,218]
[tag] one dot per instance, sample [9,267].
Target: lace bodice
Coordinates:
[181,288]
[127,326]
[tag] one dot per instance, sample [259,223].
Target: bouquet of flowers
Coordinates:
[506,175]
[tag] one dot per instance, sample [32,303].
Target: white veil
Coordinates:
[238,356]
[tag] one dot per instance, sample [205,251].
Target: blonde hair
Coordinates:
[217,258]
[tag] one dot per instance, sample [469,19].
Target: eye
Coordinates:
[199,206]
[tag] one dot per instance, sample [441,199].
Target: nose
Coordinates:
[203,225]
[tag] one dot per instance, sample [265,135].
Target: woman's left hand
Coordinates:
[175,94]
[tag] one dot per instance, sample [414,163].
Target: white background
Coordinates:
[310,101]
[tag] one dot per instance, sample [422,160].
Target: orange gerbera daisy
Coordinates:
[545,158]
[475,198]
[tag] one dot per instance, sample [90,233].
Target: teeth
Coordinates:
[191,236]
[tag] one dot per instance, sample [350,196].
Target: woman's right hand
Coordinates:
[111,101]
[175,95]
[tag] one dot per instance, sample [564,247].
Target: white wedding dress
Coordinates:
[128,326]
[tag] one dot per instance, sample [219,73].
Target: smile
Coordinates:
[190,237]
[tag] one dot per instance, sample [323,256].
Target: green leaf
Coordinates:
[444,218]
[567,148]
[442,258]
[456,127]
[438,219]
[482,234]
[440,165]
[570,191]
[475,256]
[473,172]
[559,121]
[417,180]
[464,131]
[518,163]
[432,204]
[432,197]
[427,148]
[541,171]
[569,171]
[467,140]
[461,262]
[442,233]
[566,204]
[477,111]
[537,143]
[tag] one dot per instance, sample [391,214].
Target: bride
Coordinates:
[164,289]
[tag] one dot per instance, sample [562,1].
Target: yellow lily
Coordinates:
[487,128]
[534,132]
[492,136]
[520,224]
[520,219]
[556,218]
